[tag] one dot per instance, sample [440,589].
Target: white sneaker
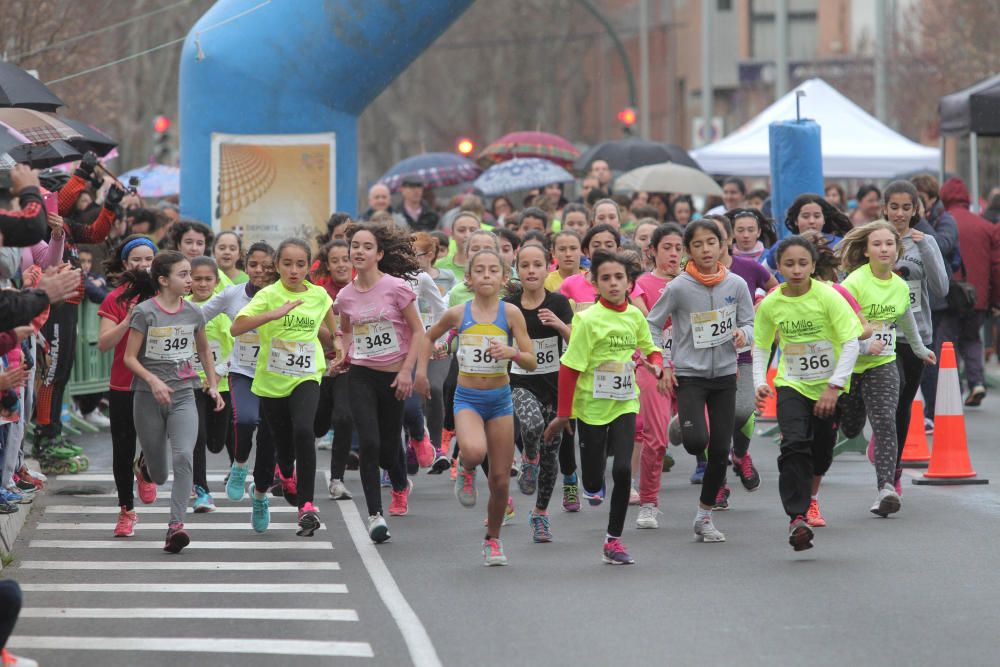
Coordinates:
[886,502]
[647,516]
[17,661]
[95,418]
[338,491]
[378,529]
[705,531]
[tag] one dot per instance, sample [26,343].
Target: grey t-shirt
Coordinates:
[168,348]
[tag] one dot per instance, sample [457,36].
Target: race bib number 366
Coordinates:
[170,343]
[292,358]
[809,361]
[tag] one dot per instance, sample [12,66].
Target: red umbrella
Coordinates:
[543,145]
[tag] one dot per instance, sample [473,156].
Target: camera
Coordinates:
[133,185]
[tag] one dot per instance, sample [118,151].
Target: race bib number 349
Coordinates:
[170,343]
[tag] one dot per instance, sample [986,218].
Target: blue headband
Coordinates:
[135,243]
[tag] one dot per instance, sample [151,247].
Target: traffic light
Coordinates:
[162,148]
[465,146]
[627,118]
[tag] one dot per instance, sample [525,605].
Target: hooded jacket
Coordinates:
[980,243]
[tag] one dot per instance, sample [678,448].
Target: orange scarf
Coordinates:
[707,280]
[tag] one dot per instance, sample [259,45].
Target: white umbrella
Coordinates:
[668,177]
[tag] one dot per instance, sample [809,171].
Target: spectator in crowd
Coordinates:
[734,194]
[379,199]
[869,206]
[601,170]
[756,198]
[681,210]
[834,193]
[992,212]
[589,183]
[417,212]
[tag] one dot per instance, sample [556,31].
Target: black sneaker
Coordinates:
[308,521]
[441,463]
[177,538]
[745,470]
[7,508]
[800,535]
[722,498]
[353,461]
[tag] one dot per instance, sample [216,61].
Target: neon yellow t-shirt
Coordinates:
[882,303]
[554,280]
[601,349]
[217,331]
[290,351]
[448,262]
[813,328]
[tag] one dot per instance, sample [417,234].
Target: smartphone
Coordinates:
[51,201]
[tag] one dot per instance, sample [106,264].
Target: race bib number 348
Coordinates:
[374,340]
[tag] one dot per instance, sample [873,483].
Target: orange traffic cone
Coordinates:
[950,462]
[916,454]
[770,412]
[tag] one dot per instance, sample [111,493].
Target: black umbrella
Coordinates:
[41,156]
[20,89]
[631,153]
[11,138]
[91,138]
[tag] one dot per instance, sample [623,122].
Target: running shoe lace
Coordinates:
[746,467]
[569,490]
[308,507]
[494,547]
[124,521]
[468,481]
[614,547]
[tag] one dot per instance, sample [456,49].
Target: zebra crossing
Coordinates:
[229,598]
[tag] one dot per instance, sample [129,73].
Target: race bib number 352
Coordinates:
[885,332]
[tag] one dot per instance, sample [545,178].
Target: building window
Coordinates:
[724,5]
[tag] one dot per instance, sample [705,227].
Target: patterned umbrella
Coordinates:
[155,180]
[92,139]
[523,173]
[633,152]
[38,126]
[530,144]
[437,170]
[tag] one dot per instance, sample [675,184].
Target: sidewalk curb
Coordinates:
[11,525]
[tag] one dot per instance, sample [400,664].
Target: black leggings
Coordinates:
[806,449]
[597,443]
[378,417]
[911,370]
[213,429]
[122,445]
[10,608]
[290,419]
[54,367]
[567,452]
[694,394]
[334,410]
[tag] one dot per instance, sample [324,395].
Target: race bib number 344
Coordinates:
[615,380]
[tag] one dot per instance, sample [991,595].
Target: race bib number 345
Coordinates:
[292,358]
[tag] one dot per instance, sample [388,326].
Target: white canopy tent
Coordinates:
[855,144]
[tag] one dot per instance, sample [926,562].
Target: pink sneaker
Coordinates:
[289,487]
[424,451]
[125,527]
[147,490]
[399,505]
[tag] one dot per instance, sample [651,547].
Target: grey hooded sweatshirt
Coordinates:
[703,321]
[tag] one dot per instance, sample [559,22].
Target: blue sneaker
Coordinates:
[594,499]
[540,531]
[260,513]
[13,497]
[237,482]
[202,501]
[699,472]
[385,481]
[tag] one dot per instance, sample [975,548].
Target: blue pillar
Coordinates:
[796,166]
[295,67]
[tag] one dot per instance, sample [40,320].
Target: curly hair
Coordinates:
[114,265]
[835,221]
[182,227]
[398,258]
[852,248]
[336,220]
[823,255]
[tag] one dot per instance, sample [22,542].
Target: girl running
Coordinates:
[534,393]
[712,317]
[566,247]
[378,311]
[752,233]
[334,273]
[213,427]
[597,388]
[484,422]
[259,263]
[228,251]
[579,289]
[575,218]
[869,254]
[462,228]
[812,212]
[134,253]
[642,235]
[922,267]
[191,239]
[288,316]
[666,246]
[819,346]
[165,332]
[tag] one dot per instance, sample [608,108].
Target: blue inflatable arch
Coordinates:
[295,67]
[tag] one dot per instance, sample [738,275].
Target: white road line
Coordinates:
[293,566]
[157,509]
[191,645]
[418,642]
[193,612]
[108,477]
[158,544]
[185,588]
[145,526]
[165,491]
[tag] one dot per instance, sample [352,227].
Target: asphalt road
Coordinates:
[919,588]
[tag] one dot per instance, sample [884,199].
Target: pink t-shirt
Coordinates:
[371,312]
[652,288]
[581,290]
[847,295]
